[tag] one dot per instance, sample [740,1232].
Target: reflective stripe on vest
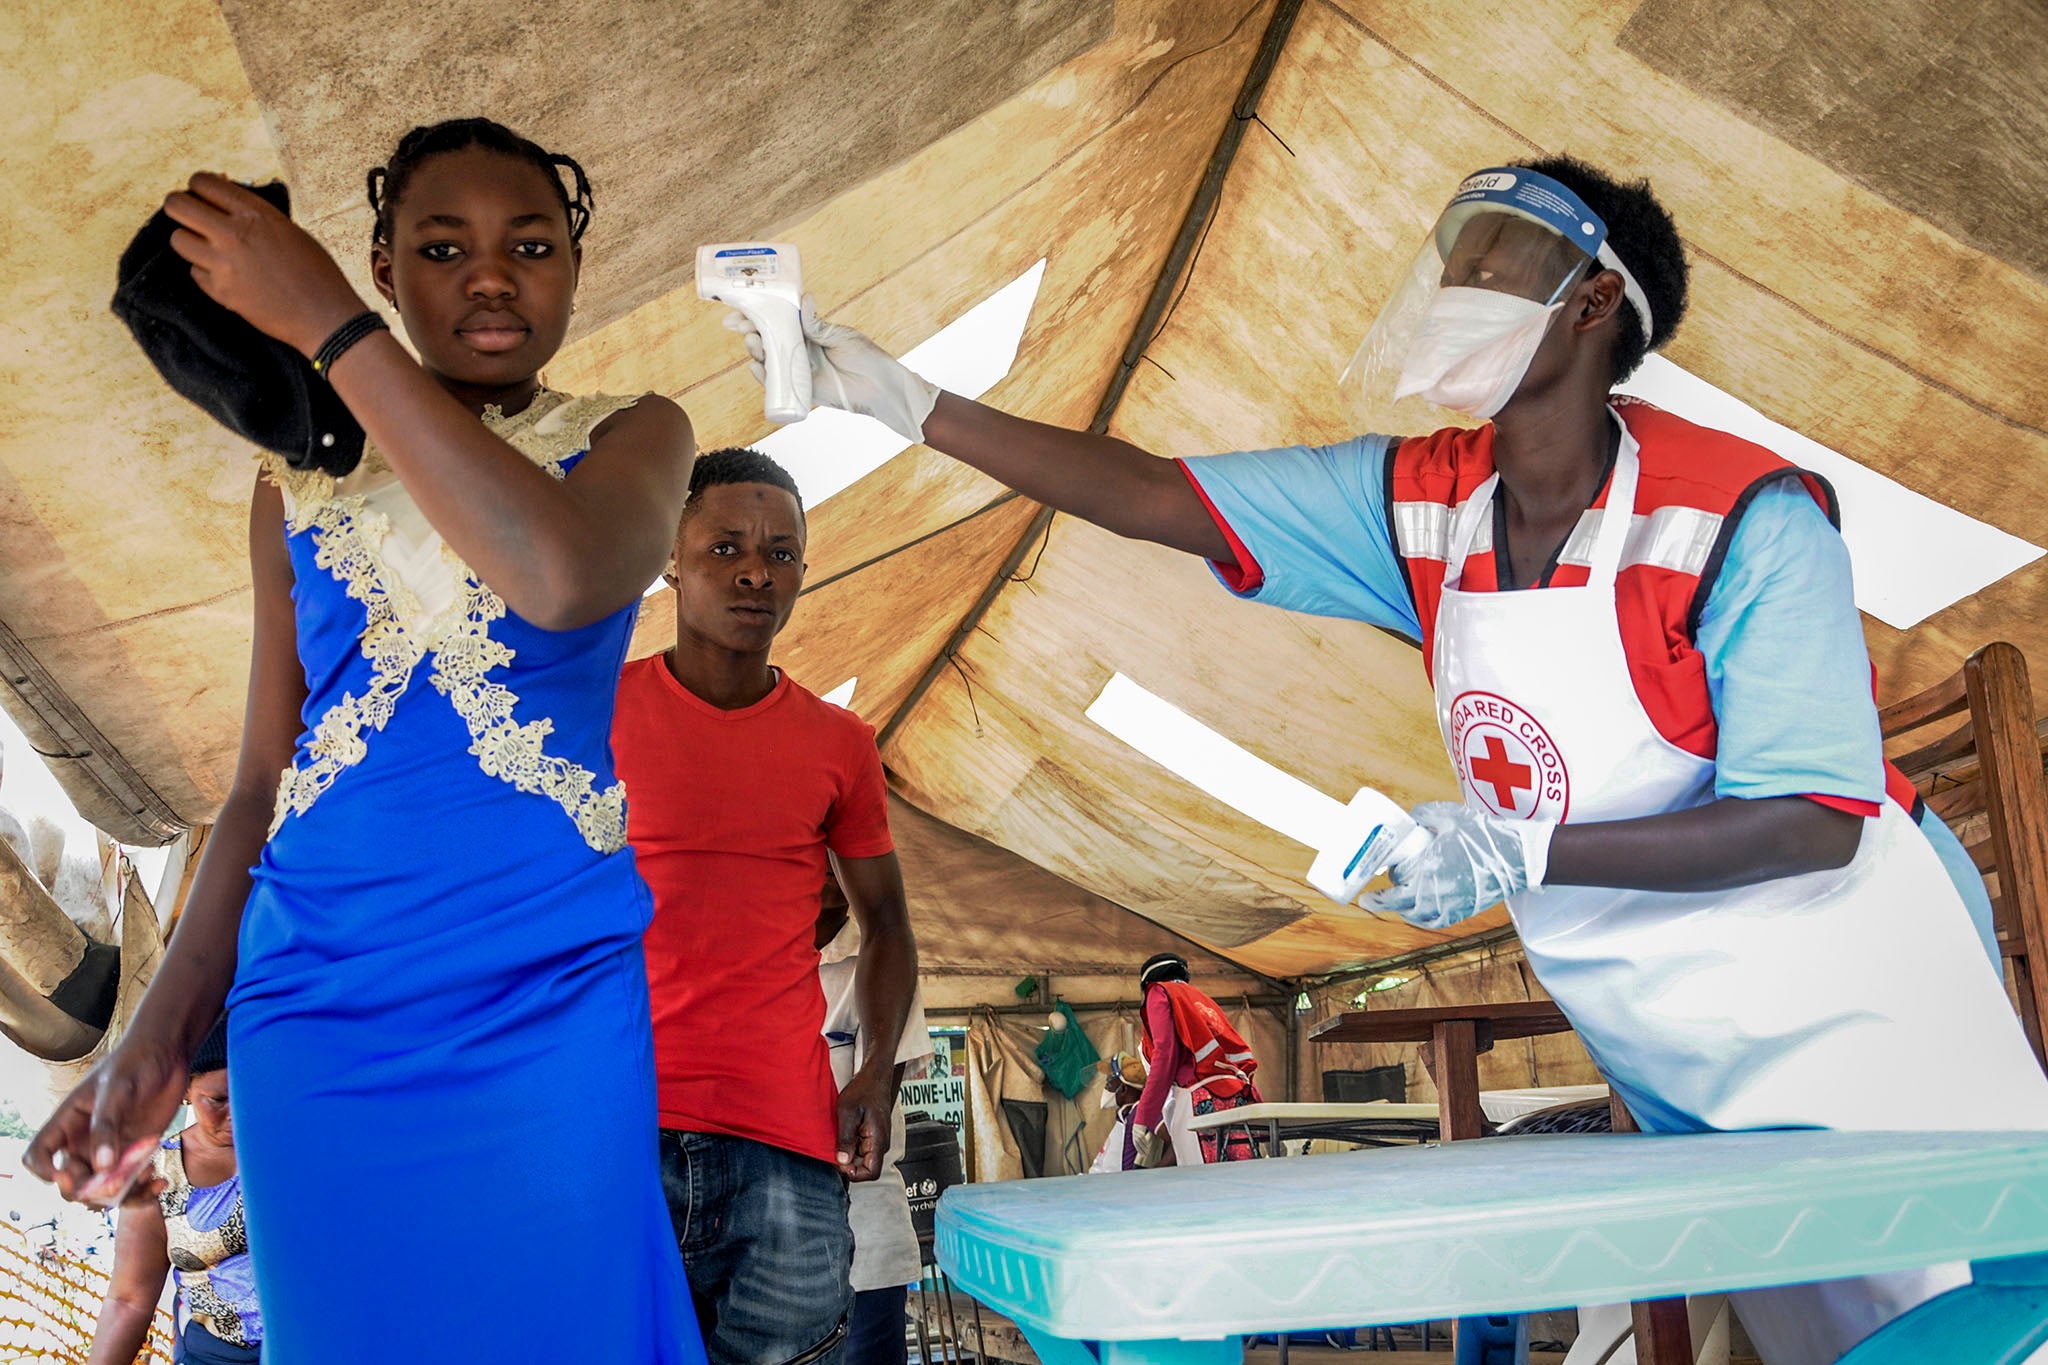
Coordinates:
[1696,482]
[1680,539]
[1206,1031]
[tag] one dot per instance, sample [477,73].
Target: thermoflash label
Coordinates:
[1507,760]
[749,264]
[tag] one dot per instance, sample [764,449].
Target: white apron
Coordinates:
[1174,1117]
[1858,998]
[1110,1160]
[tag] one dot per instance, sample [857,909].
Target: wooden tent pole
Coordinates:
[1269,1001]
[96,762]
[1242,111]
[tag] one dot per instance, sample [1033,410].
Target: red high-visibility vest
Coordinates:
[1222,1058]
[1695,485]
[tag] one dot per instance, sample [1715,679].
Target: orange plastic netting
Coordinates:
[49,1301]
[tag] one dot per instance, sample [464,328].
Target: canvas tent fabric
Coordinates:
[922,155]
[1001,1056]
[984,918]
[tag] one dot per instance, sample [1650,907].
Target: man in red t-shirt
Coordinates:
[740,786]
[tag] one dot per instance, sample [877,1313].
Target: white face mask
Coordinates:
[1473,348]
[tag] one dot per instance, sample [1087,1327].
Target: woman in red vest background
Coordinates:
[1195,1063]
[1650,677]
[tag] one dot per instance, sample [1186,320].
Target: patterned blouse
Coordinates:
[209,1247]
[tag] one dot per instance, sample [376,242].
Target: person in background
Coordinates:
[1123,1084]
[1196,1063]
[885,1254]
[195,1228]
[745,785]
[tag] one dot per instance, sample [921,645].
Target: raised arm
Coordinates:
[1096,478]
[561,553]
[135,1090]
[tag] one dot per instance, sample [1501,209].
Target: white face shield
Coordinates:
[1466,319]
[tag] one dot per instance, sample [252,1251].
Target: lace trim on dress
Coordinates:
[398,632]
[503,747]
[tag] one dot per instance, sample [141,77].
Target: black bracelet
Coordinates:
[345,336]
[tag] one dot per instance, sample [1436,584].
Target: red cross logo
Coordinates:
[1505,777]
[1505,758]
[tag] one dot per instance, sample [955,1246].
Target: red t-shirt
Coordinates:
[730,814]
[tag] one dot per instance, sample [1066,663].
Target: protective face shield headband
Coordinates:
[1468,317]
[1163,967]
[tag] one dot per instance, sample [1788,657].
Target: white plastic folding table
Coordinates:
[1177,1266]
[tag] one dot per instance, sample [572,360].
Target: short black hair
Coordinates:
[740,464]
[1163,967]
[388,181]
[213,1049]
[1642,233]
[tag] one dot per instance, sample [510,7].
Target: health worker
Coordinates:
[1661,721]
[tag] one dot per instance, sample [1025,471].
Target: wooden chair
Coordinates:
[1985,778]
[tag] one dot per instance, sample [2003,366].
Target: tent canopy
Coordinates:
[1859,185]
[985,918]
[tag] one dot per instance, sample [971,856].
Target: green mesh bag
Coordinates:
[1066,1056]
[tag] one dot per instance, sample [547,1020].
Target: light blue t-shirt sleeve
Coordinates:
[1313,520]
[1790,676]
[1787,667]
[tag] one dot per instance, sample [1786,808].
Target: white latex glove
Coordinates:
[1475,862]
[850,372]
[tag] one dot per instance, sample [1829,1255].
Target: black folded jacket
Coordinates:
[254,385]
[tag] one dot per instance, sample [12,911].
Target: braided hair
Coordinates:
[213,1049]
[387,183]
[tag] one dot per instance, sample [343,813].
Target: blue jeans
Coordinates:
[874,1334]
[197,1346]
[766,1245]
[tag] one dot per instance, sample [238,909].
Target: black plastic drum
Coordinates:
[930,1166]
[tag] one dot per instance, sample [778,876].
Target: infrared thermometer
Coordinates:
[765,282]
[1369,836]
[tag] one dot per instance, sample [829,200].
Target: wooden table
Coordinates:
[1456,1035]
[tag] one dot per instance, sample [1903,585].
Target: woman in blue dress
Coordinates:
[441,1056]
